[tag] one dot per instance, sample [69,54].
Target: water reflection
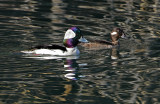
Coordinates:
[70,64]
[127,75]
[72,68]
[114,53]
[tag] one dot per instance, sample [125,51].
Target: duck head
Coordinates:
[116,34]
[72,37]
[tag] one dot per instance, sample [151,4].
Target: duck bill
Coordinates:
[83,40]
[124,36]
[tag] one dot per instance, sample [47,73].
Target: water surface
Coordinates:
[92,78]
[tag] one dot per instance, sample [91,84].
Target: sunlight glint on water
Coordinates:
[127,75]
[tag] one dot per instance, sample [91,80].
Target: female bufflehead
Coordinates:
[72,37]
[100,44]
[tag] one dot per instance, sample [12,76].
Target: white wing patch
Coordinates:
[49,52]
[69,34]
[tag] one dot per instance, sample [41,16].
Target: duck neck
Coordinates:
[115,42]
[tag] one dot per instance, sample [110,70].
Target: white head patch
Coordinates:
[69,34]
[113,33]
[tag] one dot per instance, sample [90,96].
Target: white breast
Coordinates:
[72,51]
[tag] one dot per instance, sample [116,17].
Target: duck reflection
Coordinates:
[58,87]
[70,64]
[72,69]
[115,53]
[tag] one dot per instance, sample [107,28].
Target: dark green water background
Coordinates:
[94,77]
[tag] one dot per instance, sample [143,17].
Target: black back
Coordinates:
[49,47]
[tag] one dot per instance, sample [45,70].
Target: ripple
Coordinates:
[94,76]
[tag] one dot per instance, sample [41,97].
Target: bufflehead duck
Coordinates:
[100,44]
[72,37]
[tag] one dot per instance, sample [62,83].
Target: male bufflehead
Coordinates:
[72,37]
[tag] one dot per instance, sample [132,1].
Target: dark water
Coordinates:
[93,77]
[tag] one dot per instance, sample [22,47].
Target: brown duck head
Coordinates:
[116,34]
